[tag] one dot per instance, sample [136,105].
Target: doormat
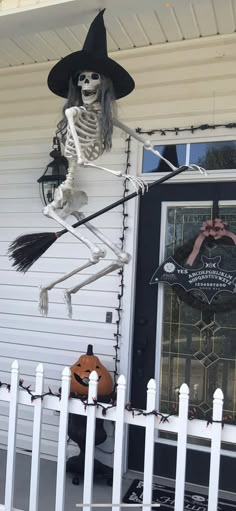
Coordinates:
[165,496]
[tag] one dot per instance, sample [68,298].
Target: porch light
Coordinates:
[54,174]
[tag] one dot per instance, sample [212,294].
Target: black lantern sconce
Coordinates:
[54,174]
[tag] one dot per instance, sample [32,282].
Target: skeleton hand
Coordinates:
[137,182]
[192,166]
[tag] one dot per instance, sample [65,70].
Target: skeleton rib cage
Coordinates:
[88,132]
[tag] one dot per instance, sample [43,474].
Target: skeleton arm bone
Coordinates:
[148,145]
[70,114]
[137,182]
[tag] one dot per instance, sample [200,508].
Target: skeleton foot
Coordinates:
[43,301]
[43,293]
[137,182]
[67,298]
[67,294]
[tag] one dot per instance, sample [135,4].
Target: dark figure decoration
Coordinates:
[215,239]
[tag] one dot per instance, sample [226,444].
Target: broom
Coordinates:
[27,249]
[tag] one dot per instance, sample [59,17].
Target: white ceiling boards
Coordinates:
[37,31]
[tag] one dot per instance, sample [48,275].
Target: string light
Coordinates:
[138,411]
[191,129]
[117,334]
[193,413]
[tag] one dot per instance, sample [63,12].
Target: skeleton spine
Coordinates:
[69,182]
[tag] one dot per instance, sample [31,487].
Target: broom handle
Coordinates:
[125,199]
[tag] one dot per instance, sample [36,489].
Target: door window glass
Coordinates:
[197,348]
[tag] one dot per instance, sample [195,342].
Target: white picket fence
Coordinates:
[176,424]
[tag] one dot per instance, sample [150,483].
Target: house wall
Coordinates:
[176,85]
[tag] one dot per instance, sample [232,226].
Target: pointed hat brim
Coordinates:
[72,65]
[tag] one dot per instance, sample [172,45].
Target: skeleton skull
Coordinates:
[90,82]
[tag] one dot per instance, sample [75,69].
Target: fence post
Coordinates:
[181,447]
[119,443]
[62,440]
[149,446]
[90,438]
[11,443]
[35,460]
[215,450]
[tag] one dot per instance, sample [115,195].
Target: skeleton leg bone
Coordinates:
[96,254]
[122,258]
[67,294]
[43,293]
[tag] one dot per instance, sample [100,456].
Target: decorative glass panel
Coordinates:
[198,348]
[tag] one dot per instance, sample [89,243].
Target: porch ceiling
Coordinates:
[36,31]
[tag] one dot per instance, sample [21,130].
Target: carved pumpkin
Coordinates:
[80,372]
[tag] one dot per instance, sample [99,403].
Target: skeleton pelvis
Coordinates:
[66,201]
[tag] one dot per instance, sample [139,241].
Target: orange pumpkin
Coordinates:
[81,370]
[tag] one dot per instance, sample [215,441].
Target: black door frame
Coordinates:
[144,336]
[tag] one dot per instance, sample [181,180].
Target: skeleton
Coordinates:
[83,145]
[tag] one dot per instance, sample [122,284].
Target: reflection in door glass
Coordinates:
[198,348]
[176,154]
[214,155]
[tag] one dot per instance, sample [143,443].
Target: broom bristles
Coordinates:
[27,249]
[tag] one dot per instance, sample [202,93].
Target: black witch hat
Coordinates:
[92,57]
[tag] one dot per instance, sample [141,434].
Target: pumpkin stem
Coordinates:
[90,349]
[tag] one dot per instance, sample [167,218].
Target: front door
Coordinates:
[175,342]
